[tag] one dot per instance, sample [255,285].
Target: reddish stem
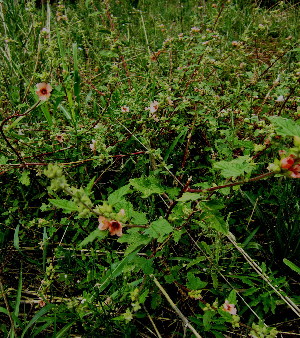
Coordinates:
[257,178]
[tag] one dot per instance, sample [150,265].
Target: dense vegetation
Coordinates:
[149,165]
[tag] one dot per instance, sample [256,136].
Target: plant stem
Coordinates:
[257,178]
[175,308]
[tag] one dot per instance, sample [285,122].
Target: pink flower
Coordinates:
[235,43]
[43,91]
[114,227]
[195,29]
[45,32]
[125,109]
[229,308]
[60,138]
[295,174]
[295,171]
[93,146]
[153,107]
[287,162]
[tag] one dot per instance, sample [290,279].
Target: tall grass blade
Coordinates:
[16,237]
[36,317]
[291,265]
[19,294]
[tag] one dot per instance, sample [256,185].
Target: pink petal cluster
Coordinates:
[288,163]
[93,146]
[153,107]
[114,227]
[125,109]
[229,308]
[43,91]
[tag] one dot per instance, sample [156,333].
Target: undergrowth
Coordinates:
[149,165]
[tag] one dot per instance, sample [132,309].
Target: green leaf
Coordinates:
[62,333]
[291,265]
[194,283]
[65,112]
[16,237]
[189,196]
[232,297]
[225,315]
[177,234]
[135,240]
[147,186]
[116,269]
[67,206]
[47,115]
[25,179]
[89,187]
[108,54]
[117,195]
[173,145]
[3,310]
[237,167]
[284,126]
[96,234]
[19,294]
[3,159]
[36,317]
[213,217]
[146,265]
[159,229]
[207,318]
[138,217]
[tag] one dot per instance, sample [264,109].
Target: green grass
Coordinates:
[204,219]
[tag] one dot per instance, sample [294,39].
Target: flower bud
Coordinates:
[297,141]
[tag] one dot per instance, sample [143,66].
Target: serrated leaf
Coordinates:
[3,159]
[147,186]
[225,315]
[25,179]
[194,283]
[96,234]
[284,126]
[196,261]
[207,317]
[177,234]
[138,218]
[67,206]
[232,297]
[146,265]
[189,196]
[89,187]
[237,167]
[117,195]
[159,229]
[213,217]
[217,222]
[135,240]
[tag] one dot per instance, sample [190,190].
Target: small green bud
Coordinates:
[297,141]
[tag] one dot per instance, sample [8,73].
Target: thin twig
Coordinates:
[152,322]
[264,276]
[257,178]
[175,308]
